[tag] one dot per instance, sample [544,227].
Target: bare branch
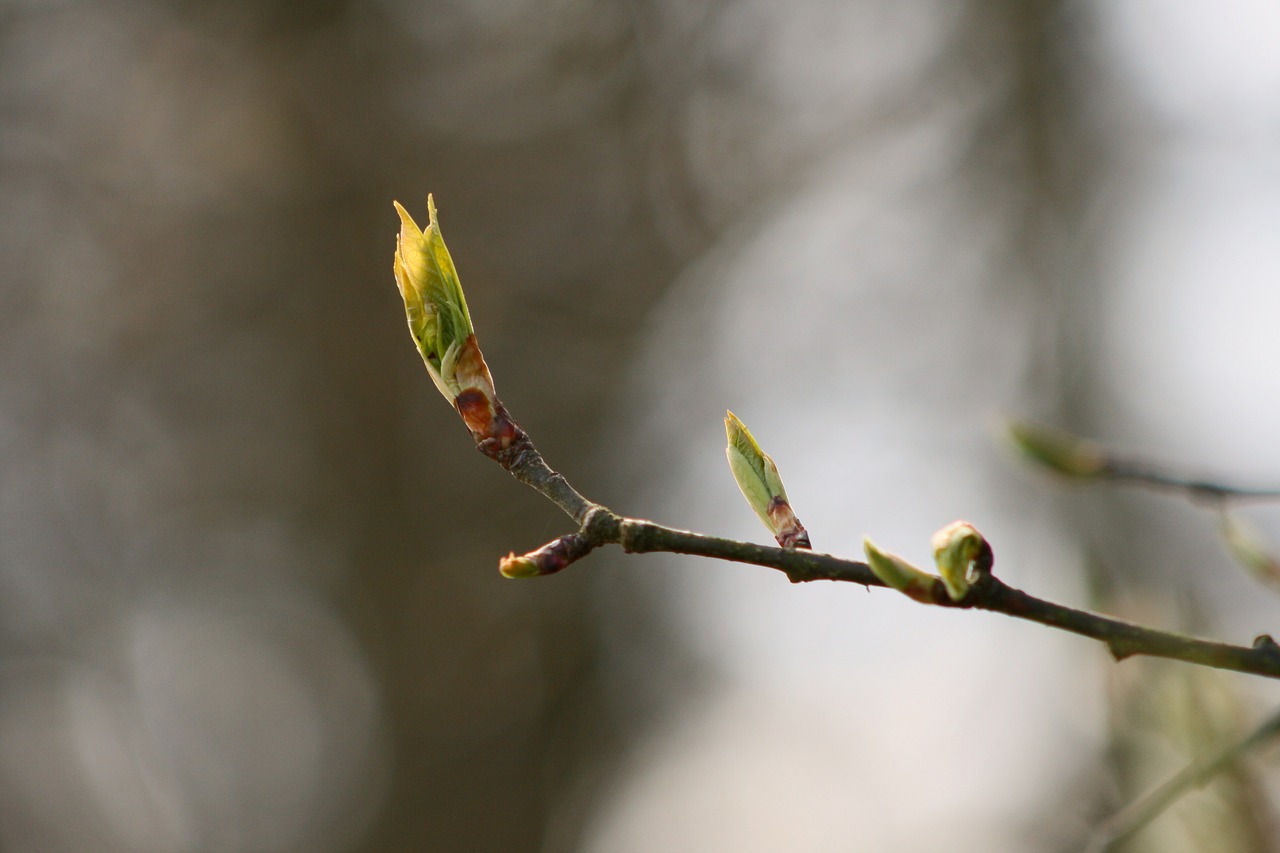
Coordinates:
[601,526]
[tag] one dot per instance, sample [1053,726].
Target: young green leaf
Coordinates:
[757,477]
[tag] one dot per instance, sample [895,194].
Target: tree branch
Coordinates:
[601,526]
[442,331]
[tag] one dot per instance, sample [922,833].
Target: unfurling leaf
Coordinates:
[757,477]
[442,331]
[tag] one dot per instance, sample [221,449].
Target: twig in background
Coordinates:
[1081,458]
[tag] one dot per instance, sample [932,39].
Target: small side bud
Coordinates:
[1058,450]
[547,560]
[757,477]
[898,573]
[1249,550]
[962,555]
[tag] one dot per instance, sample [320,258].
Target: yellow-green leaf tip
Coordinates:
[1249,550]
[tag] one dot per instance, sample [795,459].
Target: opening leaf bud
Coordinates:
[519,566]
[437,309]
[962,555]
[757,477]
[547,560]
[441,328]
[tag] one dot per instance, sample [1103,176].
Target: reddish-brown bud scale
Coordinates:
[476,411]
[791,533]
[549,559]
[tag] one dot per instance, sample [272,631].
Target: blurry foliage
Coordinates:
[1165,717]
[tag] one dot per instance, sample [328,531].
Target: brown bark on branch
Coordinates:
[600,526]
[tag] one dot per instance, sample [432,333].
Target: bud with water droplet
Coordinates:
[962,555]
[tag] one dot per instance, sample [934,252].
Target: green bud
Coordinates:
[757,478]
[1058,450]
[548,559]
[441,328]
[522,566]
[962,554]
[898,573]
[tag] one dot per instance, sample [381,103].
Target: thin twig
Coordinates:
[1088,460]
[1136,816]
[1082,458]
[601,526]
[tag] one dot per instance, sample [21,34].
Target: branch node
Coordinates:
[600,525]
[1120,649]
[1264,643]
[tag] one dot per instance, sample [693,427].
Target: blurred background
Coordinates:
[248,586]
